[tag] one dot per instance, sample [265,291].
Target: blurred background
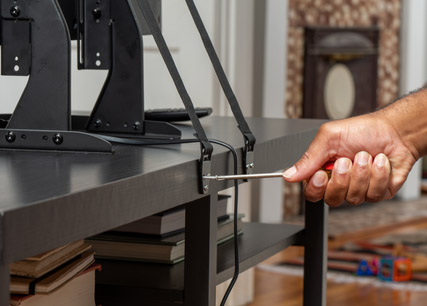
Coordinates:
[326,59]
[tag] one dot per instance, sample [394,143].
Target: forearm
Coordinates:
[408,116]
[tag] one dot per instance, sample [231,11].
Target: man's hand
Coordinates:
[372,161]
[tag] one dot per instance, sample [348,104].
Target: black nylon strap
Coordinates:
[228,91]
[179,84]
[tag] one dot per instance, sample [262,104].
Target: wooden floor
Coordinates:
[275,289]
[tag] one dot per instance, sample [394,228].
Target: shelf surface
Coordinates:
[165,283]
[48,199]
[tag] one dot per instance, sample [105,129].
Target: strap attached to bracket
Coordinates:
[206,146]
[249,138]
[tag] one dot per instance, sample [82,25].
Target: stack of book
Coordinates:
[159,238]
[64,276]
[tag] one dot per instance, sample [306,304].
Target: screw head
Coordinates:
[57,139]
[15,11]
[137,125]
[10,137]
[97,123]
[97,13]
[205,188]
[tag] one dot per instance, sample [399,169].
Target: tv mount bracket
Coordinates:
[36,42]
[110,37]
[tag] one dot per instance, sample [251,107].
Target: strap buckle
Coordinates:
[248,154]
[205,166]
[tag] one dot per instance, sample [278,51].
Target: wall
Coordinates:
[273,98]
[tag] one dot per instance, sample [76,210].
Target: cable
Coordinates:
[236,203]
[236,189]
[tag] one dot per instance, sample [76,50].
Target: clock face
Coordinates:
[339,92]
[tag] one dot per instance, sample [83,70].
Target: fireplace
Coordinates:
[340,72]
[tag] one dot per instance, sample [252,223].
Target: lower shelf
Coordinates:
[137,283]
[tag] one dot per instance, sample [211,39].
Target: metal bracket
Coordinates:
[110,37]
[205,166]
[52,140]
[45,102]
[94,34]
[36,42]
[16,53]
[248,154]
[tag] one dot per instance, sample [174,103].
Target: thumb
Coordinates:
[311,161]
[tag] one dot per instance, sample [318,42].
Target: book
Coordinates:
[37,266]
[170,250]
[80,291]
[52,280]
[168,222]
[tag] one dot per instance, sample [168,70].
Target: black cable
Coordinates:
[136,141]
[236,202]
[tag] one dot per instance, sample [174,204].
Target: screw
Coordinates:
[10,137]
[58,139]
[15,11]
[97,123]
[205,188]
[250,166]
[137,125]
[97,13]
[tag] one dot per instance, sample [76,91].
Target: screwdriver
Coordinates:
[326,167]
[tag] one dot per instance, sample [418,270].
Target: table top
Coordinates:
[48,199]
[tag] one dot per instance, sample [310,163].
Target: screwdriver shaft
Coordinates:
[242,176]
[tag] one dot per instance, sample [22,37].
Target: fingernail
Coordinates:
[290,172]
[343,165]
[380,160]
[318,179]
[362,158]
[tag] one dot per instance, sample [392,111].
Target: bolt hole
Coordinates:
[125,124]
[16,68]
[23,136]
[107,124]
[98,63]
[45,137]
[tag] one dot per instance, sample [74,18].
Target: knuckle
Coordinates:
[303,161]
[374,198]
[354,200]
[312,199]
[333,203]
[340,184]
[326,128]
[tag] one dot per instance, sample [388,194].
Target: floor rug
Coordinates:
[344,278]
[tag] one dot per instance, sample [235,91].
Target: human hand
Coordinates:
[372,161]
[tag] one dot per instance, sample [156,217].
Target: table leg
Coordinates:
[200,252]
[315,254]
[4,285]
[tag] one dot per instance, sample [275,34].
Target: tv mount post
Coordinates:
[36,42]
[110,37]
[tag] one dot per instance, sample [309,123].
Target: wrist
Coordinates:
[408,118]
